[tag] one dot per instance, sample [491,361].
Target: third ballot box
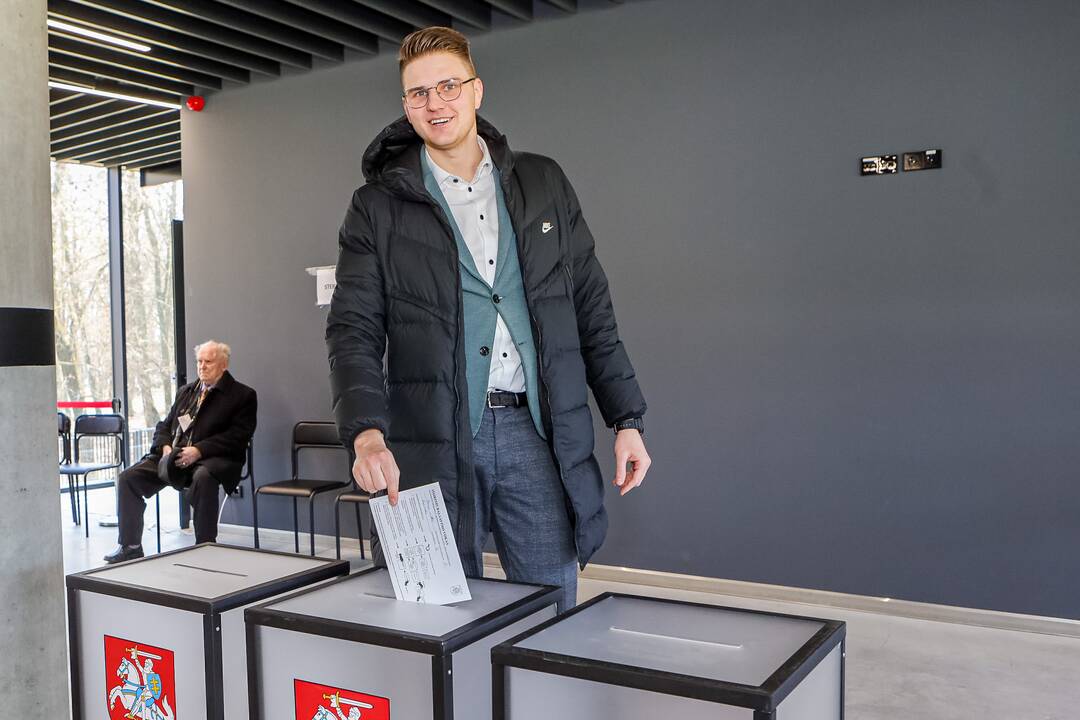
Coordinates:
[348,649]
[632,658]
[163,637]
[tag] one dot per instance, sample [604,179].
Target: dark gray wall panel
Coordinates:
[856,384]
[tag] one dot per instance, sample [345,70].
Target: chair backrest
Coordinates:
[312,433]
[309,434]
[63,432]
[107,425]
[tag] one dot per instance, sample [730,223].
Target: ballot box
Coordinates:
[627,657]
[348,649]
[162,638]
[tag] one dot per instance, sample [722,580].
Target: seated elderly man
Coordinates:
[200,445]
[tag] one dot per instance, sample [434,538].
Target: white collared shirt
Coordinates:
[476,212]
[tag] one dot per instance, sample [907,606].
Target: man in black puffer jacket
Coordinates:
[471,268]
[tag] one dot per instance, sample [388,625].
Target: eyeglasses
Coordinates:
[448,90]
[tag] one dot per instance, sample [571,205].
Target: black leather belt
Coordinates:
[501,399]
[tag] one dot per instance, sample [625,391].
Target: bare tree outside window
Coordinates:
[148,287]
[80,225]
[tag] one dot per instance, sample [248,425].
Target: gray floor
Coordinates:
[82,553]
[897,668]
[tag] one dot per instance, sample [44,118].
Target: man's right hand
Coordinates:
[165,450]
[375,468]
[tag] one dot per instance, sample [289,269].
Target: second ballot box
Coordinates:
[348,649]
[163,637]
[632,658]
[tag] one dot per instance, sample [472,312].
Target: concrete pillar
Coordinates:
[33,638]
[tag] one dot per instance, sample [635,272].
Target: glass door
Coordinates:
[80,220]
[149,303]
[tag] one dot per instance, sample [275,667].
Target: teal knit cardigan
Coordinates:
[481,310]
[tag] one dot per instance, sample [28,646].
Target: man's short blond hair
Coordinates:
[433,40]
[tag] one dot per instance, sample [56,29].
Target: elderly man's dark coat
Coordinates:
[399,292]
[223,426]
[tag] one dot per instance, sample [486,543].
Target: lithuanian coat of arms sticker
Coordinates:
[325,702]
[140,681]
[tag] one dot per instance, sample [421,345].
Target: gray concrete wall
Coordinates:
[855,384]
[33,642]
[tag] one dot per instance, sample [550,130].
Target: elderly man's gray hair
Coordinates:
[217,345]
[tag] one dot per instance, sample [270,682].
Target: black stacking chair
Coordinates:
[94,426]
[356,498]
[247,473]
[63,434]
[306,436]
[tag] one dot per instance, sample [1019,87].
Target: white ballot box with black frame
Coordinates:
[163,637]
[349,649]
[629,657]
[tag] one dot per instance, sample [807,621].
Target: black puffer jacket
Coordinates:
[399,291]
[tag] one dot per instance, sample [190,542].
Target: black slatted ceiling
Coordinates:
[198,47]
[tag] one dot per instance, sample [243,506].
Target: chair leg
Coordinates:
[73,487]
[311,522]
[86,504]
[255,516]
[157,519]
[359,530]
[182,509]
[295,527]
[337,528]
[73,498]
[221,510]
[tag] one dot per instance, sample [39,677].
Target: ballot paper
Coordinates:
[419,547]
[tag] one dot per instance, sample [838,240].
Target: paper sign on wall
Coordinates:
[325,282]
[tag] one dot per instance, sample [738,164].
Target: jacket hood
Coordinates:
[393,157]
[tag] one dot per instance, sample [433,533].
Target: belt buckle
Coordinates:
[494,407]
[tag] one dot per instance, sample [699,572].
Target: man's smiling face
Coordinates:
[441,124]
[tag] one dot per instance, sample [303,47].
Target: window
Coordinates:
[148,298]
[80,221]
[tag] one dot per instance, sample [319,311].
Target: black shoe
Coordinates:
[124,552]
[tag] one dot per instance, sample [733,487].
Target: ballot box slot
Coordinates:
[379,595]
[675,638]
[209,570]
[385,596]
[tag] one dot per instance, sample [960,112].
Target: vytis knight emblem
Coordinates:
[139,680]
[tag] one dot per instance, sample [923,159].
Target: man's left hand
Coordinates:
[630,450]
[186,457]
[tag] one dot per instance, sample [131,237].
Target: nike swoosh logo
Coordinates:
[547,227]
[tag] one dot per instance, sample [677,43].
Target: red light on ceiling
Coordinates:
[196,103]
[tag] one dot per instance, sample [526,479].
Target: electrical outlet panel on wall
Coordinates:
[922,160]
[879,165]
